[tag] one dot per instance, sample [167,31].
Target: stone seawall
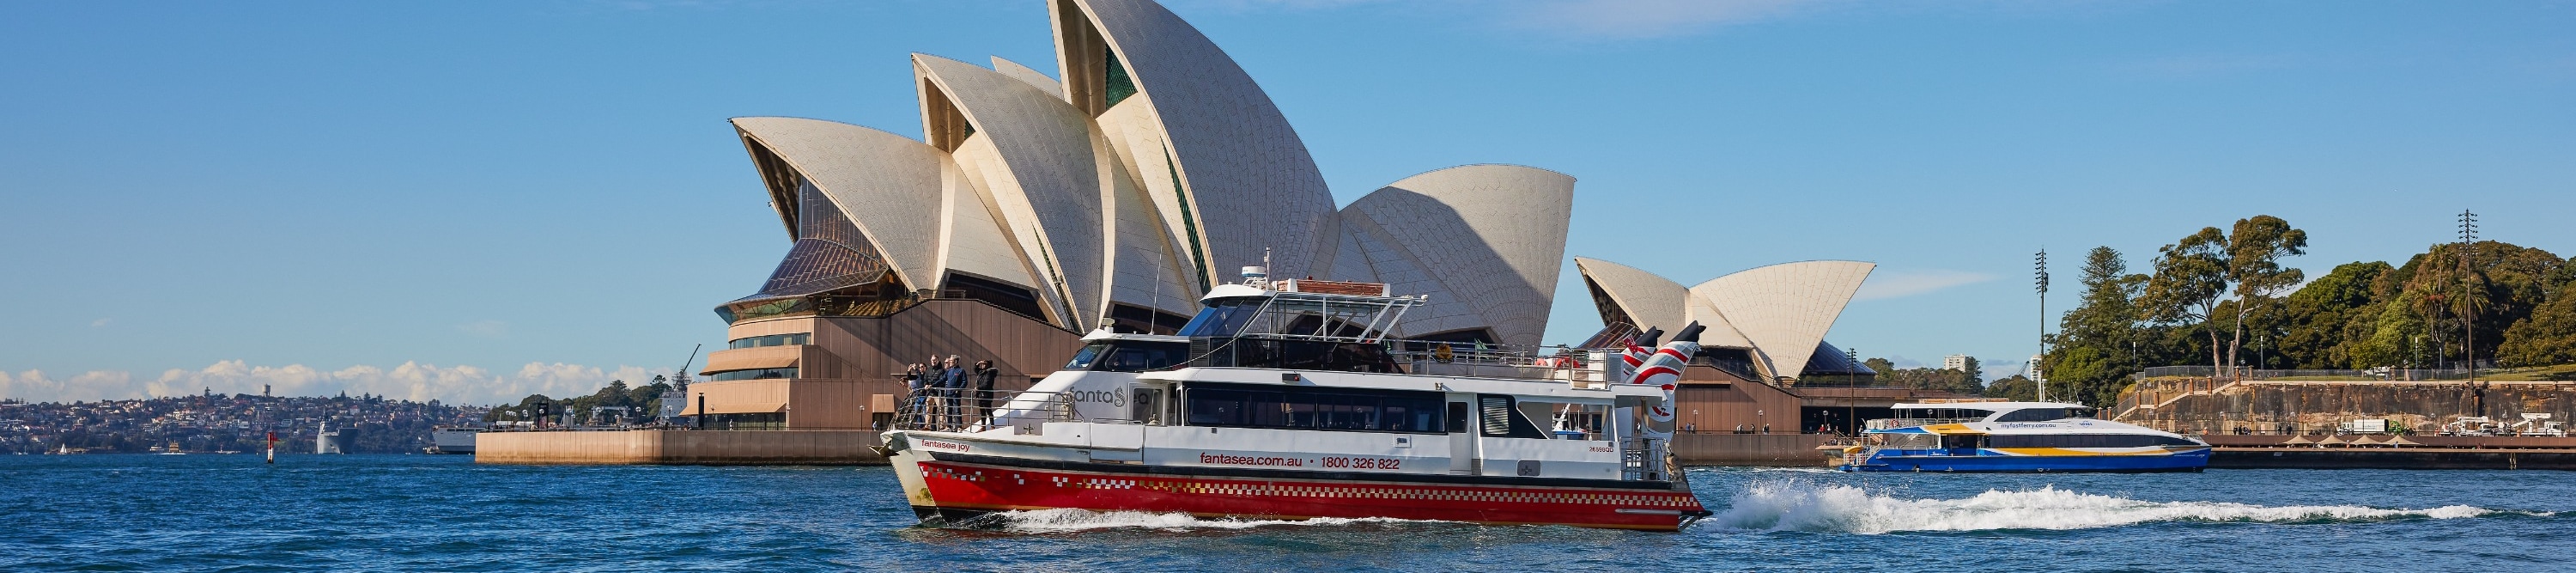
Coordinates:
[2199,406]
[683,447]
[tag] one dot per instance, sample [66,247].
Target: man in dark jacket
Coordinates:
[984,375]
[952,386]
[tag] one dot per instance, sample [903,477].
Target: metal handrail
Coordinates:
[936,409]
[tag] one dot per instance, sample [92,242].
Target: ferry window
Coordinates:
[2037,415]
[1137,356]
[1497,418]
[1082,359]
[2086,441]
[1570,421]
[1222,318]
[1250,406]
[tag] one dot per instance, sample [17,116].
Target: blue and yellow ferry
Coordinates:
[1976,436]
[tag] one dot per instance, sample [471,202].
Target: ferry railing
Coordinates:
[967,411]
[1581,367]
[1642,459]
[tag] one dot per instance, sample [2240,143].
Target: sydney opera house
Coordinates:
[1113,193]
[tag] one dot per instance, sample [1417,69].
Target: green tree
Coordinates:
[2254,271]
[2190,276]
[2015,387]
[1943,379]
[2097,343]
[2547,336]
[2316,320]
[2487,292]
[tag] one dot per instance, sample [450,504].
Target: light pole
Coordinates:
[2039,377]
[2468,306]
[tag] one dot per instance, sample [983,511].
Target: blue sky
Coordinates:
[471,201]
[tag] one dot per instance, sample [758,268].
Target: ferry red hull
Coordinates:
[962,492]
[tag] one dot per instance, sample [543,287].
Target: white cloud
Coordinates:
[409,381]
[101,323]
[1899,284]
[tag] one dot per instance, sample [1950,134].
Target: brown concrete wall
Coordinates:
[840,404]
[1710,402]
[2274,405]
[873,347]
[739,396]
[853,359]
[566,447]
[755,357]
[1793,450]
[679,447]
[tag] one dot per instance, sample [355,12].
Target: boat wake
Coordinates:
[1065,520]
[1847,509]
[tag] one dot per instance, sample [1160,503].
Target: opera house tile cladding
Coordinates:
[1112,195]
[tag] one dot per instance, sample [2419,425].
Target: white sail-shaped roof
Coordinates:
[1148,168]
[883,182]
[1646,299]
[1786,308]
[1780,312]
[1485,241]
[1046,181]
[1246,176]
[1031,75]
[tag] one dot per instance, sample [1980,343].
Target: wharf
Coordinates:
[2424,453]
[2392,458]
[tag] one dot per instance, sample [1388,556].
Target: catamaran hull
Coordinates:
[957,492]
[2185,461]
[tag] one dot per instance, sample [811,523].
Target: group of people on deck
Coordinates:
[947,395]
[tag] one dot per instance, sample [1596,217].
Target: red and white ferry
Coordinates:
[1284,400]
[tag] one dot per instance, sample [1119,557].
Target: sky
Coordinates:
[474,201]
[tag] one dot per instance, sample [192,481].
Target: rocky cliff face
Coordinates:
[2198,406]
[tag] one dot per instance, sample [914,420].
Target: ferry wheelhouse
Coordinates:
[2016,437]
[1285,400]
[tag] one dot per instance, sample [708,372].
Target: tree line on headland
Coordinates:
[2222,297]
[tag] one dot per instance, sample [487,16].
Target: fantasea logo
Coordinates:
[1110,397]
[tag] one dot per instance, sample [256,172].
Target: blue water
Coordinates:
[409,513]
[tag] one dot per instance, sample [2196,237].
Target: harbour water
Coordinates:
[409,513]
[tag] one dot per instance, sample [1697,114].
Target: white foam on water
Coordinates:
[1840,508]
[1062,520]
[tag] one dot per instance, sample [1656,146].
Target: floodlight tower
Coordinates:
[2469,318]
[2041,265]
